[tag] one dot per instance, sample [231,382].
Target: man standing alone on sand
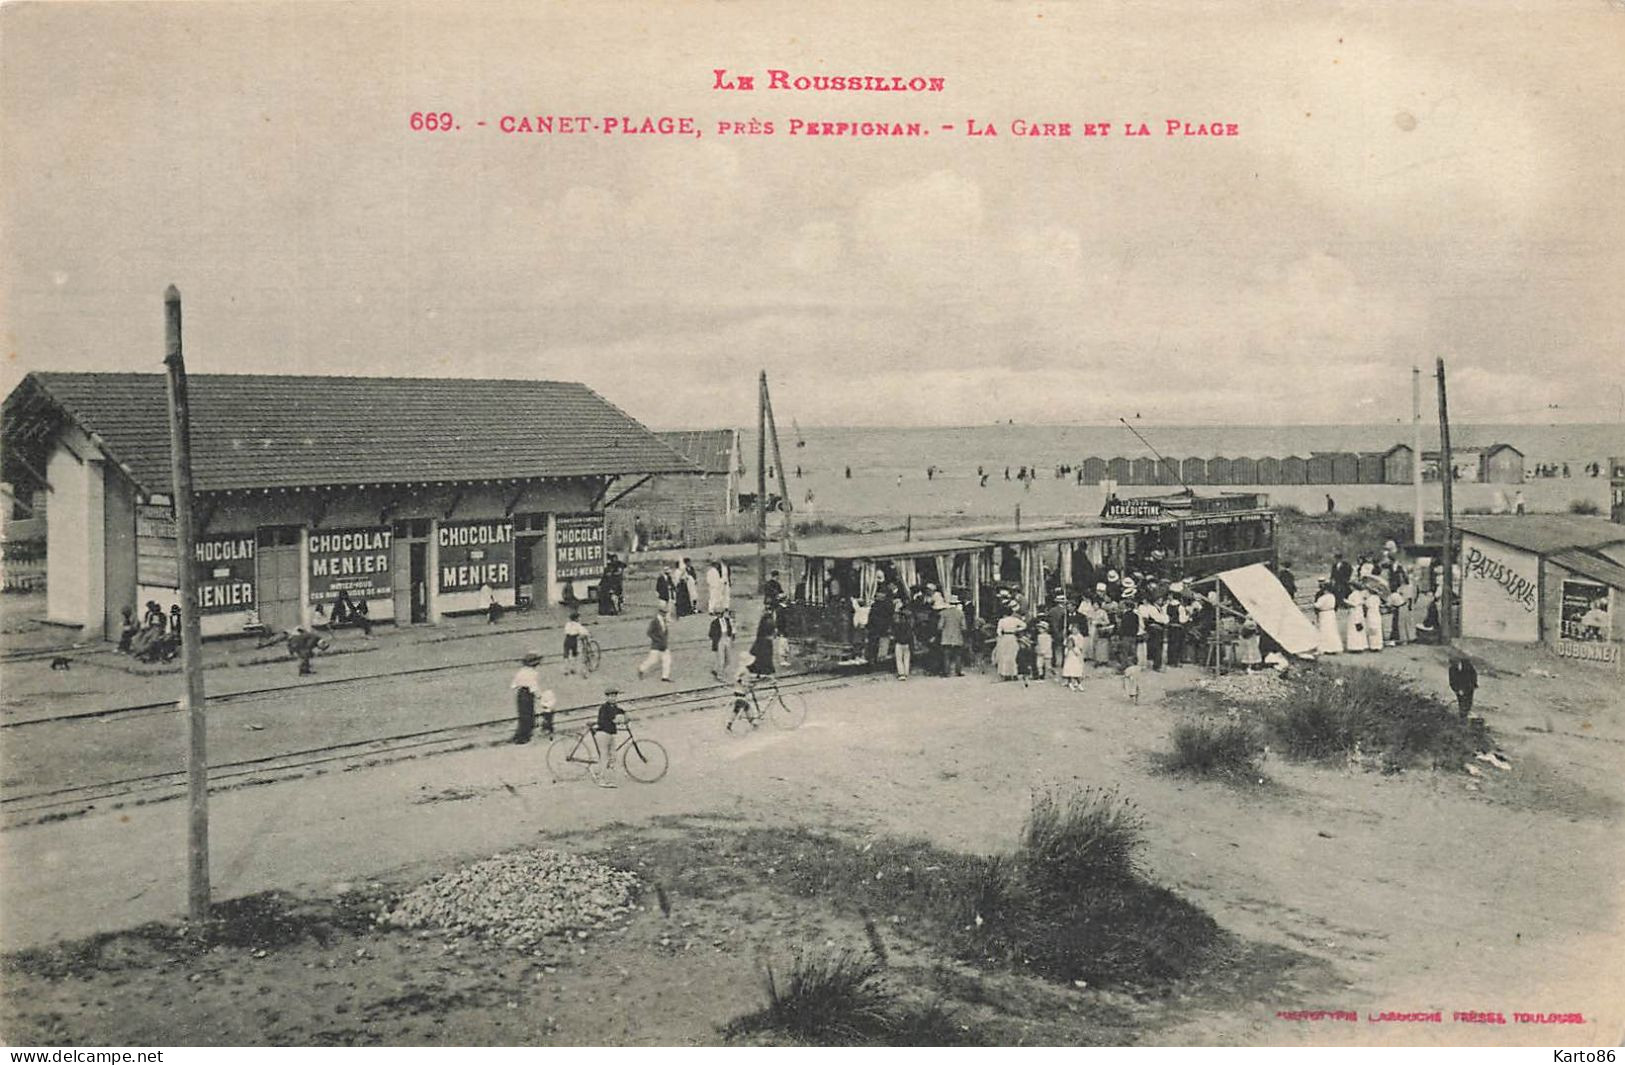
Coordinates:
[1464,682]
[659,647]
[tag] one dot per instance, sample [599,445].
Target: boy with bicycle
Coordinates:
[604,730]
[574,634]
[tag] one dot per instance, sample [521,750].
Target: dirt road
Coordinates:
[1422,891]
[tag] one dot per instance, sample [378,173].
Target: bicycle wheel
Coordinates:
[591,655]
[788,709]
[645,761]
[568,757]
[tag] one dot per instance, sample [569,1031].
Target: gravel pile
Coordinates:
[1262,687]
[519,899]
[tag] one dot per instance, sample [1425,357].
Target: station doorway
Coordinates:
[277,576]
[409,571]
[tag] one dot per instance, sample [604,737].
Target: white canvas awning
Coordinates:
[1264,598]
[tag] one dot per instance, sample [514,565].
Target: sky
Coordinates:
[1409,182]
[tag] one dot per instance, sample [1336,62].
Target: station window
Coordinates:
[279,535]
[412,529]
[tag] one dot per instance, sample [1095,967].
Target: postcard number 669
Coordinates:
[431,121]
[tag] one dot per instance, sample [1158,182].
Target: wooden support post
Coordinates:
[1447,474]
[761,480]
[197,768]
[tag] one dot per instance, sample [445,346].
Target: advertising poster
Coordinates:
[350,560]
[474,554]
[580,552]
[225,572]
[1586,613]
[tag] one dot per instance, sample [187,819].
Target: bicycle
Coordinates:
[571,757]
[787,710]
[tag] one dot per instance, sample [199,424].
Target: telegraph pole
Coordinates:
[1447,474]
[761,480]
[1418,532]
[180,464]
[788,541]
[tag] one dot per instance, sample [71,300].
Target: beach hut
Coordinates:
[1371,467]
[1319,469]
[1094,470]
[1145,471]
[1167,471]
[1269,471]
[1218,470]
[1396,464]
[1345,468]
[1244,471]
[1195,471]
[1501,464]
[1294,470]
[1119,470]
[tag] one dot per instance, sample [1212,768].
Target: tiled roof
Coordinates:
[1544,534]
[712,450]
[270,431]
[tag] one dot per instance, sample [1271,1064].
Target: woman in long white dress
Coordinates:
[1326,615]
[1373,620]
[1355,636]
[1006,647]
[716,589]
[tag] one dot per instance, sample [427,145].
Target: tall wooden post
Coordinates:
[1447,474]
[1418,531]
[788,543]
[761,480]
[180,464]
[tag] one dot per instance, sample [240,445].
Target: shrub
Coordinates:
[1584,506]
[1330,712]
[839,999]
[1083,841]
[1221,748]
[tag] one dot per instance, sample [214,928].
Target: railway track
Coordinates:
[56,804]
[172,706]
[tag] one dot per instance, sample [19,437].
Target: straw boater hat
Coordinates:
[612,690]
[1111,575]
[532,659]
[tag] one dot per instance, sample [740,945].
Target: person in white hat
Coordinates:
[528,695]
[951,637]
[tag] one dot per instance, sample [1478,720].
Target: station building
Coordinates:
[423,497]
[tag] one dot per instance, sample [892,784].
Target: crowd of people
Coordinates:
[1127,621]
[1360,606]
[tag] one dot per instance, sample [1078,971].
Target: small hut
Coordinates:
[1195,471]
[1345,468]
[1269,471]
[1294,470]
[1145,471]
[1094,470]
[1371,467]
[1396,464]
[1120,470]
[1244,471]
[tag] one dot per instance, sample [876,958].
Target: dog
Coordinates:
[60,662]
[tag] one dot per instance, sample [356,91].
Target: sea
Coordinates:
[889,465]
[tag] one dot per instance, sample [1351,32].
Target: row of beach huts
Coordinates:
[1496,464]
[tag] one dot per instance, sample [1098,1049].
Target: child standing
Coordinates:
[574,633]
[1072,663]
[1043,651]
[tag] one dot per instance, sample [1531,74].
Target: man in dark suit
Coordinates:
[1464,682]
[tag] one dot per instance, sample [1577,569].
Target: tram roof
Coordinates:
[895,549]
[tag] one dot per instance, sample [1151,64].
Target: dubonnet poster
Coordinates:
[962,345]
